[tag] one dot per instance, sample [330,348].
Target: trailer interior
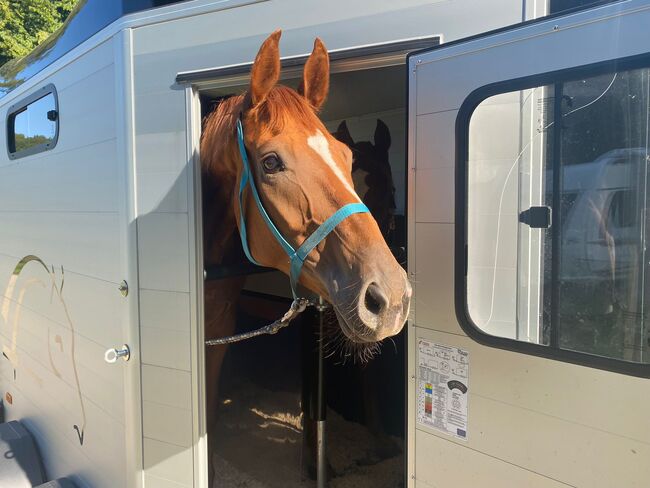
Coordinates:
[273,389]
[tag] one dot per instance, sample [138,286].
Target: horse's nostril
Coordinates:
[375,300]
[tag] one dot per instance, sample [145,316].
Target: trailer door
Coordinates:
[529,189]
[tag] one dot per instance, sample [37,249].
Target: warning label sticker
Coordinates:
[443,384]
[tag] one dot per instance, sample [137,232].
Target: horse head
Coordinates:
[303,176]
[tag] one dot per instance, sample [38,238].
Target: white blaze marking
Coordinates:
[318,142]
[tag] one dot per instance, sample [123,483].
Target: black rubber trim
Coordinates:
[17,107]
[556,212]
[460,282]
[297,61]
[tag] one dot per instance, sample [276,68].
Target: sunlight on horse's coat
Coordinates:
[318,142]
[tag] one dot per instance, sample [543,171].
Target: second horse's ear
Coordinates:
[382,136]
[316,77]
[266,69]
[343,134]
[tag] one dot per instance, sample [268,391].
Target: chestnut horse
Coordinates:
[303,176]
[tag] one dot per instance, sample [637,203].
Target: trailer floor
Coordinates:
[259,445]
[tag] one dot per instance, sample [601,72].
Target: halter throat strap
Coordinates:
[296,256]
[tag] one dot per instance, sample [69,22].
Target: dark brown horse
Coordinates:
[372,175]
[361,390]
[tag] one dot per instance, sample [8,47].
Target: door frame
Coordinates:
[194,82]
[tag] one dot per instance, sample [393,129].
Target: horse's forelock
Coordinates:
[282,105]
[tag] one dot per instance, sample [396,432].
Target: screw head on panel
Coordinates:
[124,288]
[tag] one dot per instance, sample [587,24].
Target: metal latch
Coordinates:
[113,354]
[536,217]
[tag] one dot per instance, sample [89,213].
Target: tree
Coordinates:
[26,23]
[24,142]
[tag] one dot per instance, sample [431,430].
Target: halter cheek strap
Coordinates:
[296,256]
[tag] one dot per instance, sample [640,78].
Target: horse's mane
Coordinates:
[272,115]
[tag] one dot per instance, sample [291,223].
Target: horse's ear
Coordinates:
[266,69]
[316,76]
[382,136]
[343,134]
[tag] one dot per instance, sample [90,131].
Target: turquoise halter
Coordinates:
[296,256]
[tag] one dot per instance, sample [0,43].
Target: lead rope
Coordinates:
[297,307]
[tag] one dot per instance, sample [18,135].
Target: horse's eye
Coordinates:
[272,164]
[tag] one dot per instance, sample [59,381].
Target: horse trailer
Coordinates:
[502,147]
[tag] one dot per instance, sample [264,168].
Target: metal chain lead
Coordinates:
[297,307]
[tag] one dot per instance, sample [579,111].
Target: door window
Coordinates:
[556,213]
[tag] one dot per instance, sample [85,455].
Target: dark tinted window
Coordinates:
[622,209]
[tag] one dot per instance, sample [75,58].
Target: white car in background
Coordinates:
[602,220]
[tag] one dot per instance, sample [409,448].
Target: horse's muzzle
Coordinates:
[378,309]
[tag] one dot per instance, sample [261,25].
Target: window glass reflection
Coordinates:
[34,125]
[577,150]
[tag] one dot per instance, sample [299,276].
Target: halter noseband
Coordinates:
[296,256]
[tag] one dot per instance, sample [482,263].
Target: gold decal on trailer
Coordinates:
[56,295]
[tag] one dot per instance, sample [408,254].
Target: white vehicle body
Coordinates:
[117,200]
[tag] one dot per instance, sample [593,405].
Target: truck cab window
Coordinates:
[575,150]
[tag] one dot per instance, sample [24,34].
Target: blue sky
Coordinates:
[33,121]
